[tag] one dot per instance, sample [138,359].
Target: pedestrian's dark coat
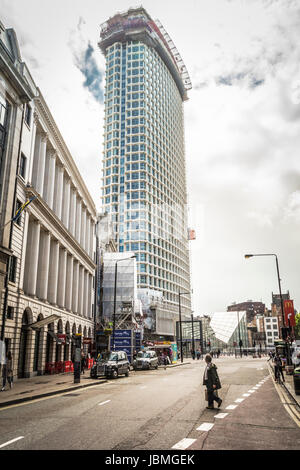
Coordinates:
[212,378]
[4,370]
[9,367]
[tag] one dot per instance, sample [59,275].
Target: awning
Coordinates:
[41,323]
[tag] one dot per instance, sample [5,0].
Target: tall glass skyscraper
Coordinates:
[144,176]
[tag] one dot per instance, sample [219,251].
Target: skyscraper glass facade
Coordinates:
[144,178]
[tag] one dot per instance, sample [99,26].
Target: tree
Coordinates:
[297,327]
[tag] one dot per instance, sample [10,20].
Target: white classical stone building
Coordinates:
[51,282]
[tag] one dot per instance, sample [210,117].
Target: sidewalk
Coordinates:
[288,385]
[46,385]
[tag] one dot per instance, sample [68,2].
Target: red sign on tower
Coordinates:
[289,313]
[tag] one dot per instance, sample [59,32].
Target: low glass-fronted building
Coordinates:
[225,330]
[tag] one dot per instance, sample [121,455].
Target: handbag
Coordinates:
[206,394]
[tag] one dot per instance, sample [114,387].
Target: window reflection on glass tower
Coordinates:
[144,176]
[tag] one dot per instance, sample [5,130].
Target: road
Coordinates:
[158,410]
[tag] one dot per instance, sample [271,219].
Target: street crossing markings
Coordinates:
[184,444]
[205,427]
[239,400]
[104,402]
[221,415]
[251,391]
[246,394]
[231,407]
[10,442]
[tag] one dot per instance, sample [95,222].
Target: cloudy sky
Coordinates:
[242,125]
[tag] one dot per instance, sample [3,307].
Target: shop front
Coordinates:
[162,348]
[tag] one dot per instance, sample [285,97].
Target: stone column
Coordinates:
[50,178]
[24,245]
[61,293]
[43,266]
[41,164]
[90,302]
[78,221]
[66,202]
[92,231]
[83,222]
[53,272]
[80,291]
[85,296]
[32,256]
[46,176]
[31,156]
[87,234]
[36,154]
[69,282]
[72,220]
[58,192]
[75,287]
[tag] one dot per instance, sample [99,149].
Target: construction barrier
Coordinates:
[50,368]
[59,367]
[67,366]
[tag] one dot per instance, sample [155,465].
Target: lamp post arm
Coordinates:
[280,293]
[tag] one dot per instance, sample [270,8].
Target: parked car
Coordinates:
[146,360]
[111,365]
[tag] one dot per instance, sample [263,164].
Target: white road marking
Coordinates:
[246,394]
[10,442]
[183,444]
[239,400]
[251,391]
[103,402]
[231,407]
[221,415]
[205,427]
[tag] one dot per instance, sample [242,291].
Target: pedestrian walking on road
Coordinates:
[278,368]
[212,382]
[7,371]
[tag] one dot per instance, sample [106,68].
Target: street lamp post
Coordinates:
[280,294]
[115,296]
[240,341]
[180,322]
[193,341]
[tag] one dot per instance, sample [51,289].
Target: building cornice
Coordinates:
[8,68]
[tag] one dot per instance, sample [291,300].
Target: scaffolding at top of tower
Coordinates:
[138,19]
